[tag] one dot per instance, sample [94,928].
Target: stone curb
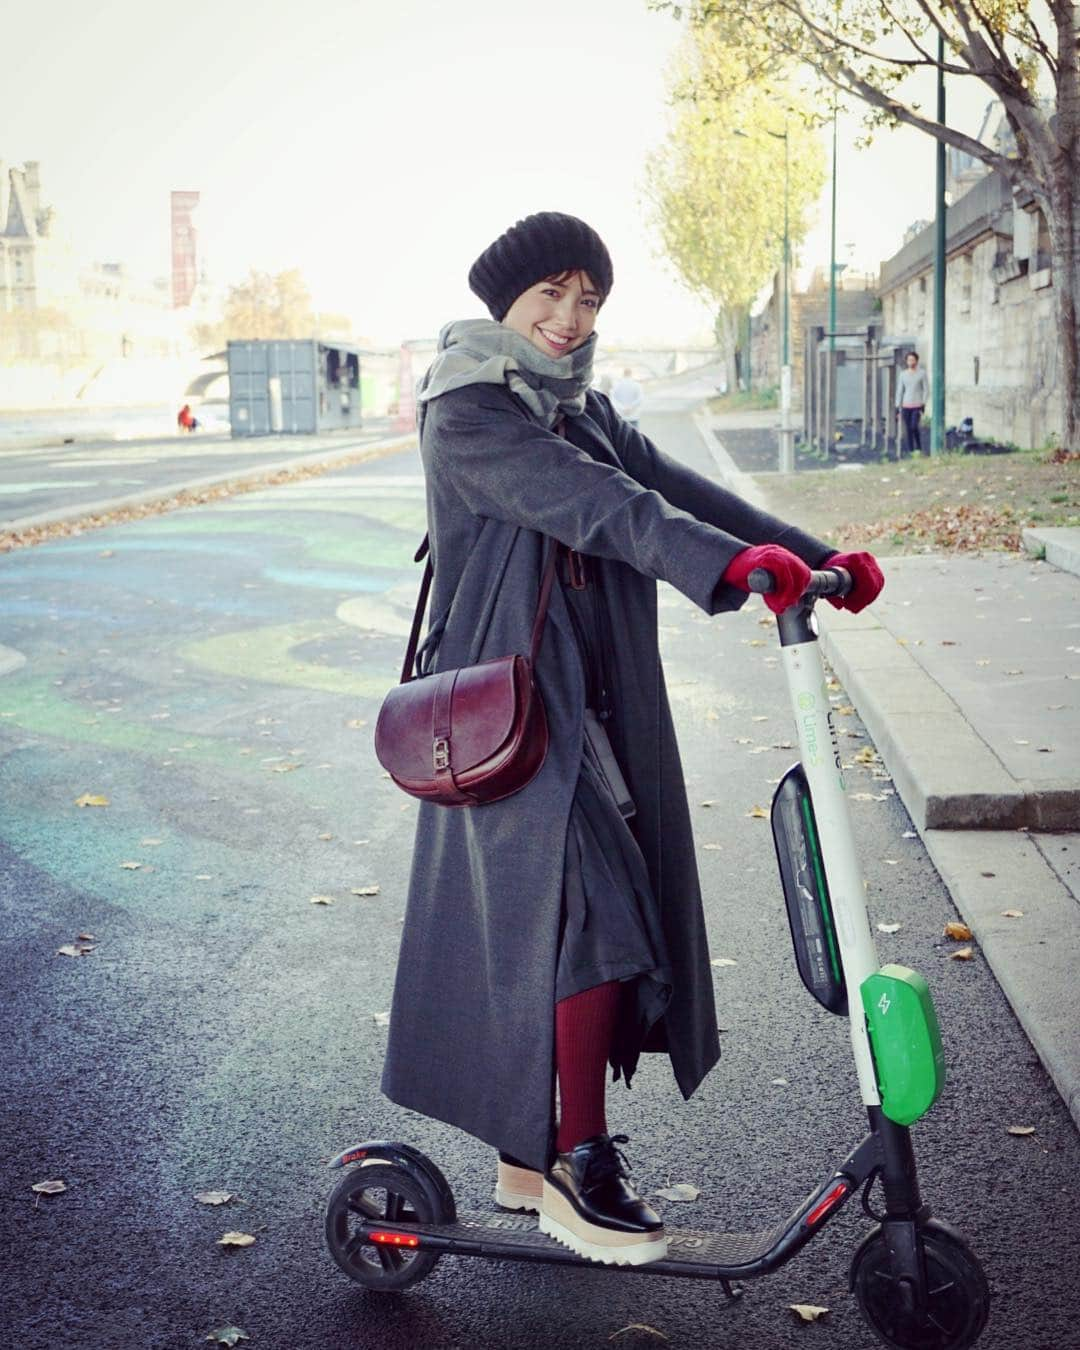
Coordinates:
[946,774]
[1059,545]
[356,453]
[731,476]
[1033,958]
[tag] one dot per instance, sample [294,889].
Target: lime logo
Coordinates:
[884,1003]
[806,702]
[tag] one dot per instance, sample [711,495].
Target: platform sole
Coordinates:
[507,1199]
[518,1187]
[559,1220]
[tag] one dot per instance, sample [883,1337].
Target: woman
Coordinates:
[912,393]
[561,929]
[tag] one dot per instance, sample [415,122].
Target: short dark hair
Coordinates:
[912,353]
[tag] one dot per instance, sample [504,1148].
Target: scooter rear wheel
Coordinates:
[384,1194]
[957,1302]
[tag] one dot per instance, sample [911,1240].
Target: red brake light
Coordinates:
[395,1239]
[826,1203]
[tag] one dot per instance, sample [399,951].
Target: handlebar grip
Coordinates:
[831,581]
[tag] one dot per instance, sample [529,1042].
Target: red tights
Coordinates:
[584,1026]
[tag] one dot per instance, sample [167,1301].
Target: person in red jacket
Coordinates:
[185,418]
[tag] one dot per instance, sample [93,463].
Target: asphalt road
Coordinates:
[49,477]
[215,675]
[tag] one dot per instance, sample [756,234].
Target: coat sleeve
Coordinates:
[503,465]
[692,492]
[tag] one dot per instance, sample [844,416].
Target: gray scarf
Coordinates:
[481,351]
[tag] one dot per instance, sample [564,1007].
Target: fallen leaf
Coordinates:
[284,768]
[910,834]
[888,927]
[213,1197]
[867,755]
[1016,1129]
[130,866]
[88,799]
[961,954]
[86,937]
[723,961]
[758,813]
[845,710]
[712,846]
[71,949]
[321,900]
[960,932]
[710,802]
[49,1187]
[228,1335]
[743,740]
[988,874]
[890,862]
[236,1240]
[355,723]
[326,836]
[779,1082]
[381,1019]
[682,1191]
[759,718]
[1012,913]
[639,1326]
[365,890]
[150,843]
[203,876]
[807,1312]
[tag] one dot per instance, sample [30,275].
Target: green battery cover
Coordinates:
[906,1042]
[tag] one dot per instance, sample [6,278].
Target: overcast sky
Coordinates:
[379,145]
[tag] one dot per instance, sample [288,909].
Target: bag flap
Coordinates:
[484,711]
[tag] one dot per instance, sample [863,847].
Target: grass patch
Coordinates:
[945,503]
[746,400]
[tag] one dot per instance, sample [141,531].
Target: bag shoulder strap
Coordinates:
[548,577]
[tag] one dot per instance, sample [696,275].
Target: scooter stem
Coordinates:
[820,755]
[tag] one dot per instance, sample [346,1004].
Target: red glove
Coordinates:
[790,574]
[867,578]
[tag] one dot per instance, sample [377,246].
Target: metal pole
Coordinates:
[830,420]
[937,393]
[787,432]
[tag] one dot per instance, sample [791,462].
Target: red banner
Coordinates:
[184,262]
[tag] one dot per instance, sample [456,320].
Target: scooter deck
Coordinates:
[515,1237]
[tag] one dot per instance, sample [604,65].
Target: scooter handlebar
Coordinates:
[831,581]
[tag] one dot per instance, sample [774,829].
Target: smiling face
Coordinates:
[557,314]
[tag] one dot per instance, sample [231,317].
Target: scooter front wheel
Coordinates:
[384,1194]
[957,1295]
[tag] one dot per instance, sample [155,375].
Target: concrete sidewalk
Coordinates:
[966,673]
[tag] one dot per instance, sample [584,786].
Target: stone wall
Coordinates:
[1002,353]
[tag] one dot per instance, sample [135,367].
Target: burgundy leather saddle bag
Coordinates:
[469,736]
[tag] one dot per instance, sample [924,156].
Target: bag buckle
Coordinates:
[440,753]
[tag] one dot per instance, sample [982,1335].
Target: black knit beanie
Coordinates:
[539,246]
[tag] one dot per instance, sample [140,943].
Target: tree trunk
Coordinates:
[1063,221]
[726,335]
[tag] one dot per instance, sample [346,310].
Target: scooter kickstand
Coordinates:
[733,1291]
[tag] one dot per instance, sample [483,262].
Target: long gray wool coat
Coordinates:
[472,1023]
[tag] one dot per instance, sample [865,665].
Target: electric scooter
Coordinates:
[919,1286]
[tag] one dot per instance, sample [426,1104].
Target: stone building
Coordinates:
[856,306]
[64,318]
[1002,357]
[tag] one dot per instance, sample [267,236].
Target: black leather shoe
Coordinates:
[589,1205]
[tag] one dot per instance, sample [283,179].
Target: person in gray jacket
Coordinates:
[912,396]
[560,930]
